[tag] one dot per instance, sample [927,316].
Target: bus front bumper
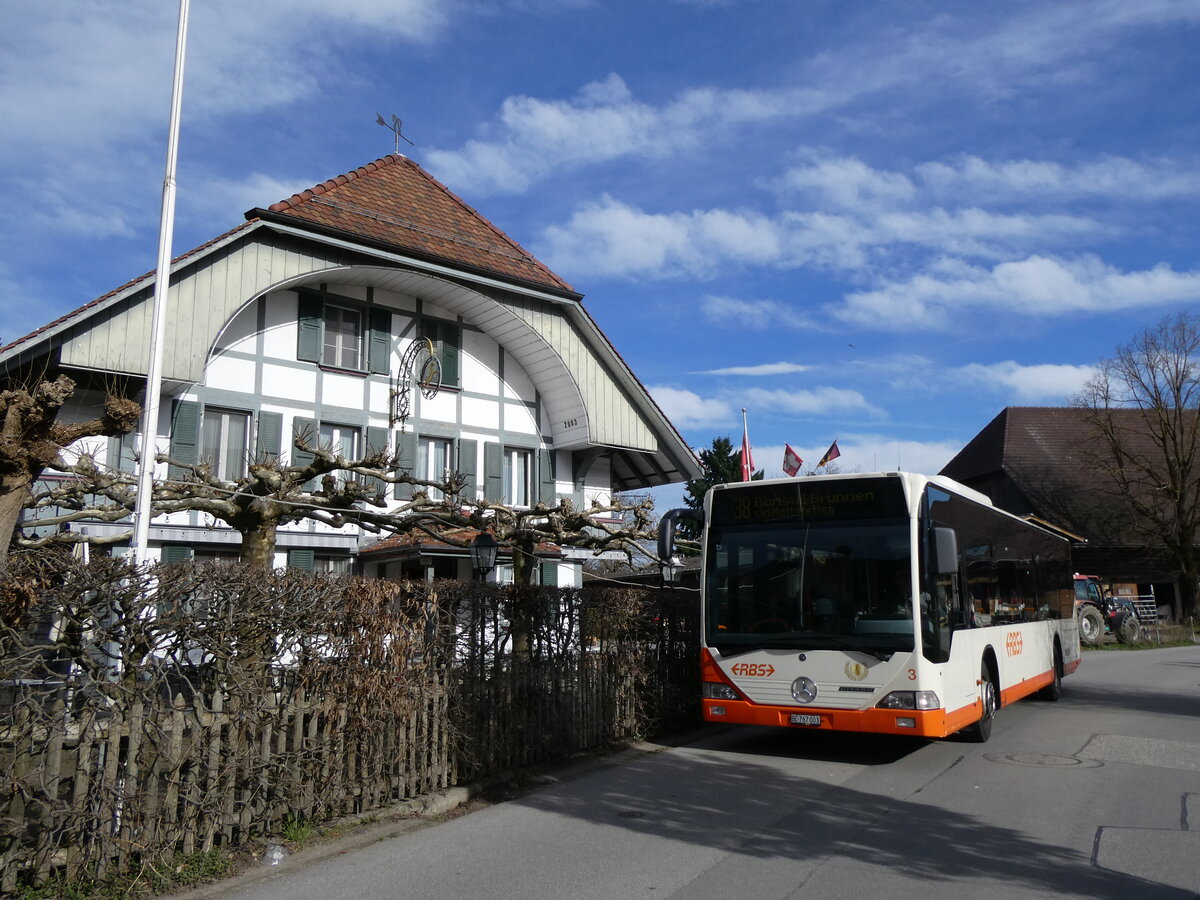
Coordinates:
[932,723]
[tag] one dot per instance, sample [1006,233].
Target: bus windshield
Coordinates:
[809,585]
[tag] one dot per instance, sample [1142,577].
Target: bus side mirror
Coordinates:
[946,547]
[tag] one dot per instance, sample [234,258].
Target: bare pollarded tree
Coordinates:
[338,491]
[1144,404]
[32,440]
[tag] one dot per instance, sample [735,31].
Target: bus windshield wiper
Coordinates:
[882,655]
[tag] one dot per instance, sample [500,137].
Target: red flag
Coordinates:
[831,454]
[747,458]
[791,460]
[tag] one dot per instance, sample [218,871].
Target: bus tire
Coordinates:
[978,732]
[1126,627]
[1053,690]
[1091,626]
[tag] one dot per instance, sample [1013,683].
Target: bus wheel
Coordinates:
[1053,690]
[1126,627]
[1091,626]
[979,732]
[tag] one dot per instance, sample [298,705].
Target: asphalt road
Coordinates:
[1097,795]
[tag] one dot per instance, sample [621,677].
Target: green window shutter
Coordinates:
[547,487]
[379,342]
[270,436]
[468,466]
[307,427]
[121,453]
[449,350]
[176,553]
[446,339]
[310,321]
[406,458]
[493,472]
[377,442]
[302,558]
[185,436]
[549,574]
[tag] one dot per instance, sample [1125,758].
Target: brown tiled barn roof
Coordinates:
[1021,437]
[393,202]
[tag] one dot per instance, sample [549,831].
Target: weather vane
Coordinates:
[394,128]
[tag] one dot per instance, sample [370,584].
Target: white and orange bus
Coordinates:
[808,612]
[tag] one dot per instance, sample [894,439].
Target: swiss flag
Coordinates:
[791,460]
[747,457]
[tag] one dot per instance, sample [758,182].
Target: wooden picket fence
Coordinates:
[413,692]
[99,793]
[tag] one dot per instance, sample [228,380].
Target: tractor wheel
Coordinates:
[1126,627]
[1091,626]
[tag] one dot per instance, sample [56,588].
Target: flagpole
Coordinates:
[747,457]
[158,327]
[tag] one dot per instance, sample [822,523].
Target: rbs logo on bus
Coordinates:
[1013,643]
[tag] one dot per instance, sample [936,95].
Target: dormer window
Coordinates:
[341,333]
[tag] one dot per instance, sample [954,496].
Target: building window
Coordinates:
[209,554]
[225,442]
[433,462]
[447,343]
[343,439]
[343,337]
[333,565]
[517,471]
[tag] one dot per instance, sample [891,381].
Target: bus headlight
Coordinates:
[714,690]
[910,700]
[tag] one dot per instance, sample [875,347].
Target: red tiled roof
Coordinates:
[418,539]
[394,202]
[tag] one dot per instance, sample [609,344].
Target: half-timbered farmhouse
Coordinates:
[299,318]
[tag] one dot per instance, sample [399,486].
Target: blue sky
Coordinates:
[876,221]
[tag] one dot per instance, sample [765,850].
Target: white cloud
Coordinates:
[1035,286]
[613,238]
[533,137]
[777,368]
[848,183]
[687,409]
[1029,383]
[1114,178]
[808,401]
[759,315]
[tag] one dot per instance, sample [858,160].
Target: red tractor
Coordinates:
[1100,613]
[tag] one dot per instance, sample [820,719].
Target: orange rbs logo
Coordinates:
[753,670]
[1013,643]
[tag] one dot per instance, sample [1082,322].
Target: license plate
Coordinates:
[804,719]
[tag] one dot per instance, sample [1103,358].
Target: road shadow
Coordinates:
[1134,700]
[724,801]
[818,746]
